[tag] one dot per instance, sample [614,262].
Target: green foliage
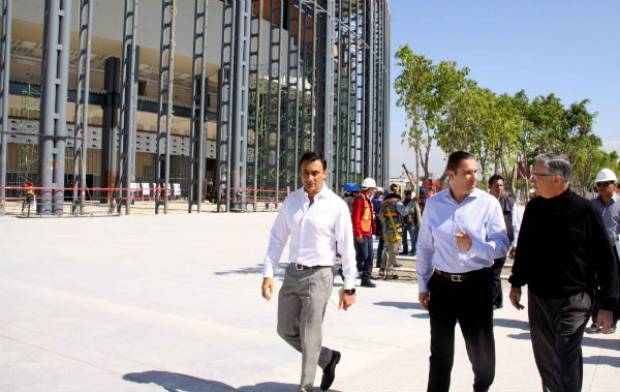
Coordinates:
[505,132]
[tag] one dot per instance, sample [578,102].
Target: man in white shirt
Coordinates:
[462,232]
[318,221]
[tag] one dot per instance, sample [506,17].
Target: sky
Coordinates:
[567,47]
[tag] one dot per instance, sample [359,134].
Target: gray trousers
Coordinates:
[557,326]
[301,308]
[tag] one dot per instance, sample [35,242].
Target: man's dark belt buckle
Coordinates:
[456,278]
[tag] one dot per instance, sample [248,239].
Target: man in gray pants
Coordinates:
[318,223]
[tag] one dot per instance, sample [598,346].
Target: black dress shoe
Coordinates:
[329,373]
[368,283]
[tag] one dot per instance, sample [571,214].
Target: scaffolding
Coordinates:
[292,76]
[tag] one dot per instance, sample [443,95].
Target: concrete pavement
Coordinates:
[172,303]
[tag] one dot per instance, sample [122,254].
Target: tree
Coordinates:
[414,87]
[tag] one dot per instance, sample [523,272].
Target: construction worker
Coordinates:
[362,216]
[392,215]
[29,197]
[377,201]
[608,205]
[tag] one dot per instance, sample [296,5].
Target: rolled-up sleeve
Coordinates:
[277,241]
[424,252]
[344,238]
[496,243]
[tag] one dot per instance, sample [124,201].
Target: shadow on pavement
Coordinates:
[587,341]
[256,270]
[406,306]
[603,360]
[507,323]
[176,382]
[400,305]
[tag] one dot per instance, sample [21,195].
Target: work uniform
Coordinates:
[362,217]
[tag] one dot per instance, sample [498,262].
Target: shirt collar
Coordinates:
[474,194]
[323,193]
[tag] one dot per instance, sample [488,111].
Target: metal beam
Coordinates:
[5,71]
[53,113]
[80,135]
[224,132]
[199,103]
[240,99]
[289,140]
[328,139]
[271,149]
[255,119]
[128,106]
[165,94]
[110,128]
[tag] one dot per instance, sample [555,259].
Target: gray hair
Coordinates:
[556,164]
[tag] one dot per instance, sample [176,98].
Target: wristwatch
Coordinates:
[349,291]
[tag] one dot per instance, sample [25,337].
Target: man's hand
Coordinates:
[267,288]
[463,241]
[515,298]
[424,297]
[604,320]
[513,253]
[359,240]
[346,300]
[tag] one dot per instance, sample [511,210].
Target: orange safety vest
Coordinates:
[366,218]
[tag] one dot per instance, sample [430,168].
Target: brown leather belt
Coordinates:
[458,278]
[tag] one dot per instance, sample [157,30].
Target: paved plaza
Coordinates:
[172,303]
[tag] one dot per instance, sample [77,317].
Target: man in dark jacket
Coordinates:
[563,255]
[496,188]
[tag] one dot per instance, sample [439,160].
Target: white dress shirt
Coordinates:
[479,215]
[517,218]
[314,230]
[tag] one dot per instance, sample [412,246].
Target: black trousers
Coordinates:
[470,303]
[496,281]
[616,309]
[557,326]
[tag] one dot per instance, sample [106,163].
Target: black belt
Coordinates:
[458,278]
[301,267]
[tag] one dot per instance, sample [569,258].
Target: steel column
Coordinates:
[240,99]
[255,119]
[386,96]
[5,72]
[199,103]
[128,108]
[271,157]
[380,92]
[80,124]
[224,132]
[110,128]
[53,117]
[360,94]
[165,94]
[328,139]
[370,81]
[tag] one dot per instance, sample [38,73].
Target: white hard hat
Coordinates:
[606,175]
[369,183]
[379,189]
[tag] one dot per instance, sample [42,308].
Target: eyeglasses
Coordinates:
[604,184]
[538,175]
